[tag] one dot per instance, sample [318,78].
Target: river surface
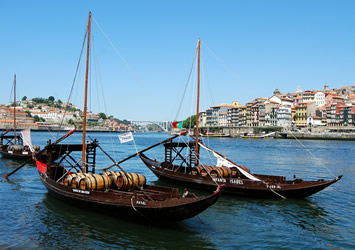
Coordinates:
[30,218]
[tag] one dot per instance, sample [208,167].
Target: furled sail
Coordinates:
[26,137]
[221,161]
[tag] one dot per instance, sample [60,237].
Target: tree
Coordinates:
[71,122]
[51,99]
[36,118]
[102,116]
[28,113]
[189,122]
[60,101]
[24,98]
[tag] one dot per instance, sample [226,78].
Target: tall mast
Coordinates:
[86,96]
[15,109]
[198,101]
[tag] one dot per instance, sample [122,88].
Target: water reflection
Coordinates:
[72,226]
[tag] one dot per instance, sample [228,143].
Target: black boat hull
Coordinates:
[240,187]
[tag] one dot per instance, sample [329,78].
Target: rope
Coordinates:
[186,85]
[313,155]
[135,208]
[75,76]
[267,185]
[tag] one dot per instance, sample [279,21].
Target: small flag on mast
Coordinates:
[126,137]
[177,124]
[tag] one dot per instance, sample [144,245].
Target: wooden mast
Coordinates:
[198,101]
[86,96]
[15,109]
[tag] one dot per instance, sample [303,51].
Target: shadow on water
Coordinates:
[64,225]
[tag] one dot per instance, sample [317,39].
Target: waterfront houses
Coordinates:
[302,109]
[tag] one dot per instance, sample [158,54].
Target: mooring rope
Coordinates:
[267,185]
[313,155]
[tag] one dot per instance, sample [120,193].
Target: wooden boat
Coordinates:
[182,166]
[117,193]
[13,146]
[210,134]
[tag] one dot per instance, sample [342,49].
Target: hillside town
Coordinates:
[303,110]
[307,109]
[48,114]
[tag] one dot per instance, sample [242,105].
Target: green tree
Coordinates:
[28,113]
[36,118]
[71,122]
[42,119]
[39,100]
[59,101]
[102,116]
[24,98]
[51,99]
[189,122]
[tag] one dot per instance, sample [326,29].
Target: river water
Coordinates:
[30,218]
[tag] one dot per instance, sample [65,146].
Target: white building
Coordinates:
[319,98]
[284,116]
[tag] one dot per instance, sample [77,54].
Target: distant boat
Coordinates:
[182,165]
[17,146]
[210,134]
[74,180]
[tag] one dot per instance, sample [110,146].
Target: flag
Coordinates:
[177,124]
[126,137]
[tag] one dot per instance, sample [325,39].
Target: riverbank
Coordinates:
[315,136]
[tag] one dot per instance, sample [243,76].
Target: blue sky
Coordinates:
[249,48]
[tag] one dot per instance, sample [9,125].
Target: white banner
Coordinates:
[126,137]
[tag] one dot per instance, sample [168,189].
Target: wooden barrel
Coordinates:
[73,179]
[69,178]
[216,172]
[236,172]
[204,170]
[127,181]
[113,175]
[195,171]
[225,171]
[96,182]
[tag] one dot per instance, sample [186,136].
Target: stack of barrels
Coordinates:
[104,181]
[216,172]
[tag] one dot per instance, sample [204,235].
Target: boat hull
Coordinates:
[241,187]
[16,155]
[123,204]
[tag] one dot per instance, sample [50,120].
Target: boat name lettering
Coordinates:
[141,203]
[274,186]
[25,153]
[10,152]
[236,181]
[220,180]
[81,191]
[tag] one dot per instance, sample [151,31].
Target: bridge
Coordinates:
[166,125]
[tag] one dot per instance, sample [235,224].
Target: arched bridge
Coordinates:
[166,125]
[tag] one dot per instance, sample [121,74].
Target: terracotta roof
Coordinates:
[5,120]
[286,99]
